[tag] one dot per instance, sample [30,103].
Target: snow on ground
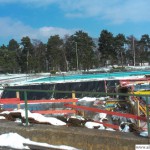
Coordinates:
[54,121]
[87,99]
[16,141]
[38,117]
[2,117]
[92,125]
[22,79]
[144,134]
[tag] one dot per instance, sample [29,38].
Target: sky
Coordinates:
[40,19]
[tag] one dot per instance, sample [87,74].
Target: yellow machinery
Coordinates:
[143,92]
[111,104]
[141,99]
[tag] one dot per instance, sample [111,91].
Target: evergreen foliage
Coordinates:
[75,52]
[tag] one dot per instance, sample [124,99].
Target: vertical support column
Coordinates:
[138,112]
[18,96]
[105,84]
[147,112]
[26,107]
[73,97]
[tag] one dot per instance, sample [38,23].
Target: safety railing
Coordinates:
[77,107]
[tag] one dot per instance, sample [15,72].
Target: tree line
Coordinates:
[75,52]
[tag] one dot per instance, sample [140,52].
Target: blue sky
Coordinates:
[39,19]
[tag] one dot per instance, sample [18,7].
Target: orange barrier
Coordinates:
[74,109]
[18,101]
[109,125]
[10,101]
[51,101]
[106,111]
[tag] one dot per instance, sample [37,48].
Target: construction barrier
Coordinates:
[107,112]
[62,111]
[18,101]
[74,107]
[10,101]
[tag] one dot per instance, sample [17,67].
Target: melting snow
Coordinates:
[39,117]
[92,125]
[144,133]
[16,141]
[88,99]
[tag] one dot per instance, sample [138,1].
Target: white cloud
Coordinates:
[16,29]
[47,31]
[114,11]
[130,10]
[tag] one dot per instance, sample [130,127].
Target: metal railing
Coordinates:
[83,93]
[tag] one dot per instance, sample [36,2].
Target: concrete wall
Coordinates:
[82,138]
